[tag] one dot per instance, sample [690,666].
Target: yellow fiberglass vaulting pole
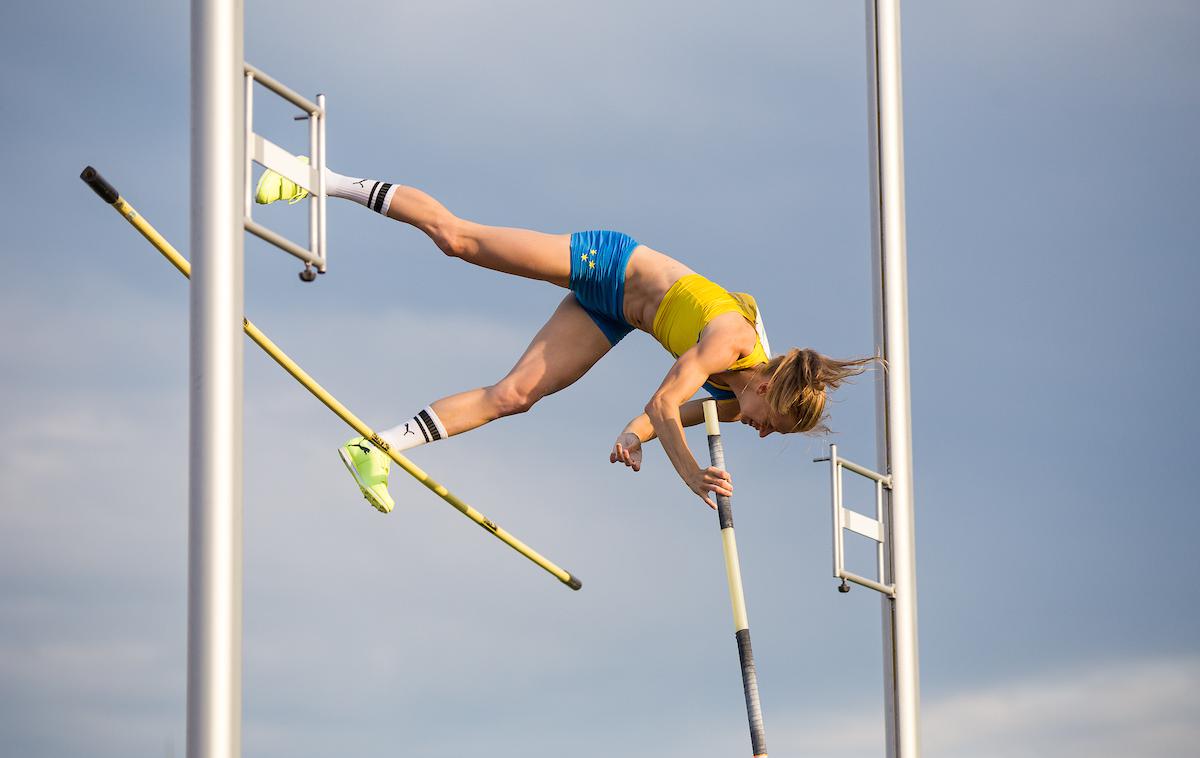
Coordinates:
[733,572]
[113,198]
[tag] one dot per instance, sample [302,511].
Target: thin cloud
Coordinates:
[1147,708]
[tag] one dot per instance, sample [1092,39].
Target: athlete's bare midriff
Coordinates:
[647,278]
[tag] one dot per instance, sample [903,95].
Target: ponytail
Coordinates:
[799,380]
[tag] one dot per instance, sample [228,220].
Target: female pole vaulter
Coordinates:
[615,285]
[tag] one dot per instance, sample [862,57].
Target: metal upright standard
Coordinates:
[214,691]
[893,414]
[218,218]
[733,572]
[892,527]
[223,144]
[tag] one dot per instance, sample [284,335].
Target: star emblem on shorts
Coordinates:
[583,257]
[591,264]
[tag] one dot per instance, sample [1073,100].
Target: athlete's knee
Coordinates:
[447,232]
[509,397]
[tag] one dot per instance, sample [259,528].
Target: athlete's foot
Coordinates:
[273,186]
[369,466]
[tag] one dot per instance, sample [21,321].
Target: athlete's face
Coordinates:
[756,413]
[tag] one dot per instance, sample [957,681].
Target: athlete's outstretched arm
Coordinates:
[716,350]
[628,447]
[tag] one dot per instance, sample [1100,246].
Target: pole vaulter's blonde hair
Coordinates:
[798,382]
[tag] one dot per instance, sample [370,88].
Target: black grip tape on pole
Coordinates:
[106,191]
[758,740]
[716,452]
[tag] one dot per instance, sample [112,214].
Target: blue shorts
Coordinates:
[598,262]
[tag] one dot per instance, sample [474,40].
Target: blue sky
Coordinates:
[1051,188]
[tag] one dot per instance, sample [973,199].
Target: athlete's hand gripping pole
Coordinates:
[733,571]
[112,197]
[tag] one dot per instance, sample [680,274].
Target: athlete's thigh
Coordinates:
[522,252]
[563,350]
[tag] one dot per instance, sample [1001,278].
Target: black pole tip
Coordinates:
[106,191]
[574,583]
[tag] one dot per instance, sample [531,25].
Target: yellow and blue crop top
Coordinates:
[689,305]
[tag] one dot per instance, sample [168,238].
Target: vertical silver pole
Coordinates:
[314,213]
[836,499]
[894,433]
[248,135]
[321,184]
[215,487]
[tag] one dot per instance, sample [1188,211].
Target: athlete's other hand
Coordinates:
[711,479]
[627,450]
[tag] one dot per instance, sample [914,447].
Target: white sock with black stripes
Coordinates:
[421,428]
[373,194]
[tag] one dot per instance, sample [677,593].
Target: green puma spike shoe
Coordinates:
[369,466]
[273,186]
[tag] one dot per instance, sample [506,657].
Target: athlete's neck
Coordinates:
[739,381]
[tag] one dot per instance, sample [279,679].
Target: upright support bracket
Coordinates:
[877,529]
[309,175]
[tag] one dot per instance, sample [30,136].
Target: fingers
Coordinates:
[712,480]
[718,473]
[718,490]
[624,455]
[718,481]
[618,454]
